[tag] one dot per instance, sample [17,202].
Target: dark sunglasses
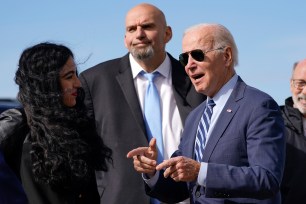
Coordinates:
[197,55]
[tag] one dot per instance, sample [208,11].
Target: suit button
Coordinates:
[197,193]
[218,194]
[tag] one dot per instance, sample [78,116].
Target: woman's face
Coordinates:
[69,83]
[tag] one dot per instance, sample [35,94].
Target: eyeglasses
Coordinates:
[197,55]
[298,83]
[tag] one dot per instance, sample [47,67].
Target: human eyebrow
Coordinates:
[147,25]
[130,28]
[68,74]
[299,80]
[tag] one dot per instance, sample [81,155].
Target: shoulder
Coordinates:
[252,96]
[10,114]
[260,97]
[177,67]
[105,67]
[11,120]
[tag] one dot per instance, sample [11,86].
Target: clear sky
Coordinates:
[270,34]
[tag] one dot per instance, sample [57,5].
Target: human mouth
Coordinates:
[302,100]
[197,77]
[142,43]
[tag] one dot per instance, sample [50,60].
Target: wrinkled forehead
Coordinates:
[300,71]
[197,39]
[70,66]
[136,20]
[144,14]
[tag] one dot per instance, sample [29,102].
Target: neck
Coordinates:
[152,63]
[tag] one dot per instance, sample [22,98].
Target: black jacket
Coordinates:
[13,130]
[294,180]
[13,140]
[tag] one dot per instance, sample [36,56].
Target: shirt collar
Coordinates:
[163,69]
[225,92]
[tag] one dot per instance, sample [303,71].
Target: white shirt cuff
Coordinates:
[151,181]
[202,174]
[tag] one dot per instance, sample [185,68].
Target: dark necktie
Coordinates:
[203,130]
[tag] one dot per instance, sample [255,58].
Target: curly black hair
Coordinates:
[65,146]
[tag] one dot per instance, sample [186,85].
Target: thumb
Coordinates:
[152,151]
[152,144]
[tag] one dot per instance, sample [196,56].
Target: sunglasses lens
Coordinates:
[198,55]
[183,59]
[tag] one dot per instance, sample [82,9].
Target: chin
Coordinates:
[199,90]
[70,104]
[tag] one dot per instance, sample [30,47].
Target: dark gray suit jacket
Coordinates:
[111,98]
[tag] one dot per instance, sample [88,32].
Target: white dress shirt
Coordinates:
[171,121]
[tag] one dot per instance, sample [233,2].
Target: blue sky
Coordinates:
[270,34]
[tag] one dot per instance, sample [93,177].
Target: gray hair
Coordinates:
[222,37]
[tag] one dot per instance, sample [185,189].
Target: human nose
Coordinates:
[140,32]
[77,83]
[303,89]
[190,63]
[191,60]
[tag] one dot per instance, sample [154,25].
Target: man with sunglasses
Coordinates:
[234,156]
[294,113]
[115,95]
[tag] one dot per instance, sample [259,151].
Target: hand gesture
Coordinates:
[145,158]
[180,168]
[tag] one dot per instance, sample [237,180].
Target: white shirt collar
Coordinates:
[163,69]
[225,92]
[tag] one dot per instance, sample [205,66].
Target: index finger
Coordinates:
[137,151]
[167,163]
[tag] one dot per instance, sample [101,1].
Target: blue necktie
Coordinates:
[152,114]
[153,119]
[203,130]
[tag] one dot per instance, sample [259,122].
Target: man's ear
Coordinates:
[125,41]
[168,34]
[228,56]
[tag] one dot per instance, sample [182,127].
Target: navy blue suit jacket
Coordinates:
[245,153]
[11,191]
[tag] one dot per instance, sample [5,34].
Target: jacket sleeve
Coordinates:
[260,175]
[13,130]
[167,190]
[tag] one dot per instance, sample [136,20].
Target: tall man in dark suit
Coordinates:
[241,156]
[115,92]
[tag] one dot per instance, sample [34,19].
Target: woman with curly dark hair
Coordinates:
[61,150]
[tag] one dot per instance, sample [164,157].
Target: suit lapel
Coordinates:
[230,109]
[181,86]
[180,80]
[125,80]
